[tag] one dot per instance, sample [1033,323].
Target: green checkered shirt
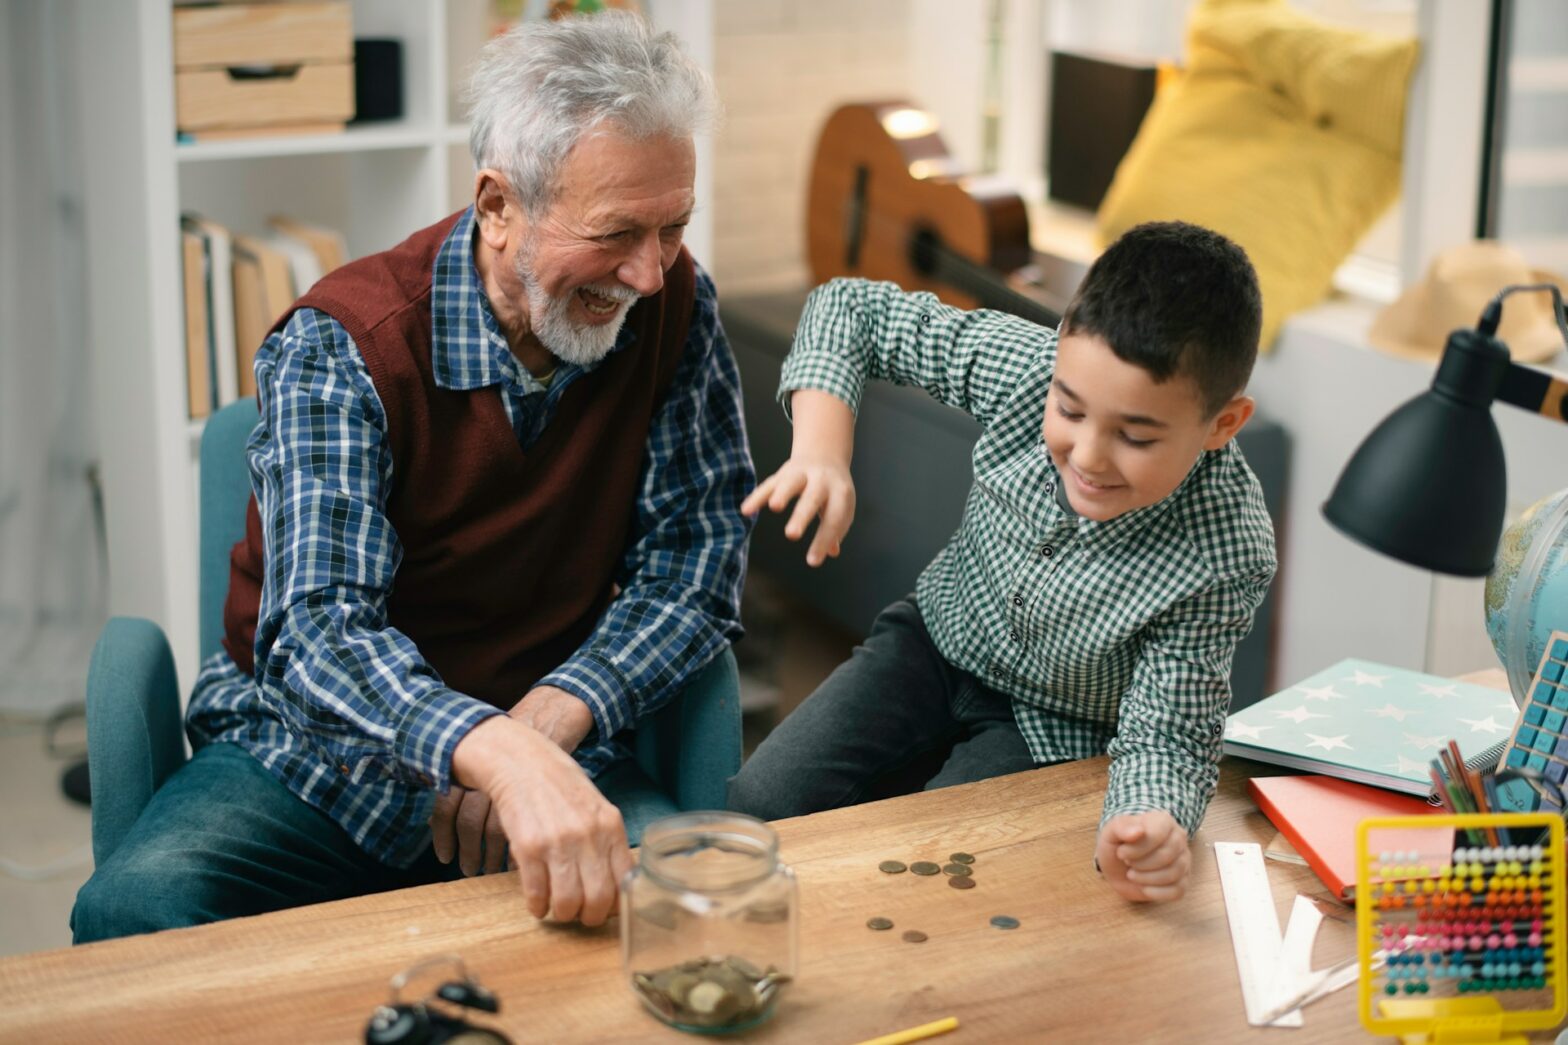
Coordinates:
[1109,636]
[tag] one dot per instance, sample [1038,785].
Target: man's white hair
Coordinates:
[539,87]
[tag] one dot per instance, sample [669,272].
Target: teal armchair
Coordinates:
[135,740]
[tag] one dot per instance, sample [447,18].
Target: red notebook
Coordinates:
[1319,814]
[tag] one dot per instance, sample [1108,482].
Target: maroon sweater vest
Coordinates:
[508,555]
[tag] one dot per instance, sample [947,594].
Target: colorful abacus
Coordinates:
[1470,937]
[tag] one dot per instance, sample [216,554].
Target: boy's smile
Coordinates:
[1121,440]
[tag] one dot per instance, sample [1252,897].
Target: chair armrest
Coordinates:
[134,739]
[691,746]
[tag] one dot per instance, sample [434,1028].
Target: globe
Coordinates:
[1527,590]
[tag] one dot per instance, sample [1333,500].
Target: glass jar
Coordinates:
[708,922]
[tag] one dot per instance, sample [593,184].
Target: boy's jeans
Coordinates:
[883,723]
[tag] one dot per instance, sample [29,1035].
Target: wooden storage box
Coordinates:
[267,68]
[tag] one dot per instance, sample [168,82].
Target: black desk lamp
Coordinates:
[1428,485]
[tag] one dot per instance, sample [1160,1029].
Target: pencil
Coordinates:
[925,1030]
[1457,774]
[1482,805]
[1494,803]
[1439,788]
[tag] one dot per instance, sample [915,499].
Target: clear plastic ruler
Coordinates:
[1254,929]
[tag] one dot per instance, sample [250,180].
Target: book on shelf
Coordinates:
[1318,816]
[263,291]
[304,268]
[1373,724]
[223,363]
[326,243]
[199,392]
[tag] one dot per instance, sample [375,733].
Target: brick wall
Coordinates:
[780,68]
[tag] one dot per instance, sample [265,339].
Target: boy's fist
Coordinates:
[1144,856]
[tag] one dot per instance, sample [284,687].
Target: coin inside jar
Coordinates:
[925,867]
[914,936]
[879,924]
[892,867]
[718,993]
[962,870]
[961,882]
[962,858]
[1005,921]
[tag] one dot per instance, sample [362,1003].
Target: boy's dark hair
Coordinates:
[1175,298]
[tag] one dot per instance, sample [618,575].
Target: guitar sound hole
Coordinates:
[925,249]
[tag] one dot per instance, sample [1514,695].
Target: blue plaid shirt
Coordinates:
[343,709]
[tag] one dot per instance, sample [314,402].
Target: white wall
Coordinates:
[781,68]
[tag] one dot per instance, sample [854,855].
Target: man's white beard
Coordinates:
[550,318]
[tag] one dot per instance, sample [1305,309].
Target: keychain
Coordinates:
[417,1023]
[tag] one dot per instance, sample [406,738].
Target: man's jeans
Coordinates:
[223,838]
[896,717]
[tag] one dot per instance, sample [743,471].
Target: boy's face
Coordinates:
[1120,440]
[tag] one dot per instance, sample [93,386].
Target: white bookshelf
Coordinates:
[376,183]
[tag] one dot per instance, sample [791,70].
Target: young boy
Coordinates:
[1111,555]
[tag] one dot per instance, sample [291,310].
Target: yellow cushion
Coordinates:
[1283,134]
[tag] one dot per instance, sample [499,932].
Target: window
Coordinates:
[1525,181]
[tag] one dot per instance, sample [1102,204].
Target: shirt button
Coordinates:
[925,317]
[1018,600]
[1046,551]
[344,769]
[1018,636]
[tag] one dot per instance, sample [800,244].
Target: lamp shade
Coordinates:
[1427,487]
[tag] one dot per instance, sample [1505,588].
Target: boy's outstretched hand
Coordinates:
[1144,856]
[816,476]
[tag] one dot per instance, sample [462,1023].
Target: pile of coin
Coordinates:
[960,875]
[711,993]
[959,869]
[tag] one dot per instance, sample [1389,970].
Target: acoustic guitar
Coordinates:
[887,201]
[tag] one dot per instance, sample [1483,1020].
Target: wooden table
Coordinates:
[1084,966]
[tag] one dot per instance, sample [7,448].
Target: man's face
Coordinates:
[613,228]
[1120,441]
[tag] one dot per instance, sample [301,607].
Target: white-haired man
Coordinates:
[497,478]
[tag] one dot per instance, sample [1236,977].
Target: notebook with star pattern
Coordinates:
[1372,724]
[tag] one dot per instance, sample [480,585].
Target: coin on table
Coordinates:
[925,867]
[879,924]
[914,936]
[892,867]
[961,870]
[960,882]
[1005,921]
[962,858]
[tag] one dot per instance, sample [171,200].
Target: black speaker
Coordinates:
[378,80]
[1097,105]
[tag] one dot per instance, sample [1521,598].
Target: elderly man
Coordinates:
[497,476]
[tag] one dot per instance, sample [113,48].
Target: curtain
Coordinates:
[52,569]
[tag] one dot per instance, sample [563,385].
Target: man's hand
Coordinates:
[465,823]
[1144,856]
[565,839]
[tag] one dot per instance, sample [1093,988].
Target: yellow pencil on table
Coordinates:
[925,1030]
